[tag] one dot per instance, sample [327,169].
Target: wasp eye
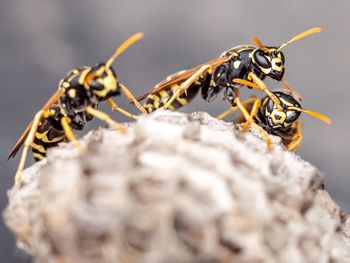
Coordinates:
[292,116]
[261,59]
[270,104]
[281,56]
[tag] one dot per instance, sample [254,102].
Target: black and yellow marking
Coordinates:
[244,62]
[72,105]
[158,100]
[161,98]
[48,134]
[265,117]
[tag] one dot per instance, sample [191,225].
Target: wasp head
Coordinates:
[102,81]
[277,119]
[269,61]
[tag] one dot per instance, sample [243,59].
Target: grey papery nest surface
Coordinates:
[176,188]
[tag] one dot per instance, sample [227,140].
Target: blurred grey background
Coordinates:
[41,40]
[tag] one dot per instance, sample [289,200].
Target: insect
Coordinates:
[244,62]
[267,119]
[72,105]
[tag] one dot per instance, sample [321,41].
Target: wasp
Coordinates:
[246,62]
[72,105]
[268,119]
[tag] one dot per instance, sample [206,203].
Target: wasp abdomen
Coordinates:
[48,134]
[156,101]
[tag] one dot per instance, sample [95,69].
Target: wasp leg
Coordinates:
[236,92]
[131,97]
[263,133]
[249,119]
[232,109]
[263,87]
[253,112]
[28,142]
[65,121]
[115,106]
[294,145]
[104,117]
[185,85]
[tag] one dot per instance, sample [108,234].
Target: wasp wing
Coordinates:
[20,141]
[181,76]
[54,98]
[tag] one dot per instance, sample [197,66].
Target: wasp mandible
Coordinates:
[72,105]
[244,62]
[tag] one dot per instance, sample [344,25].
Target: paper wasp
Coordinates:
[245,62]
[74,103]
[267,119]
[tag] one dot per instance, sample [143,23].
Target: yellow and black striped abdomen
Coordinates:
[48,134]
[157,100]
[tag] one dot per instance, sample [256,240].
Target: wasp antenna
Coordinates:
[127,43]
[300,36]
[292,91]
[313,114]
[246,83]
[258,42]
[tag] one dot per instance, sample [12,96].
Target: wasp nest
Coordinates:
[176,188]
